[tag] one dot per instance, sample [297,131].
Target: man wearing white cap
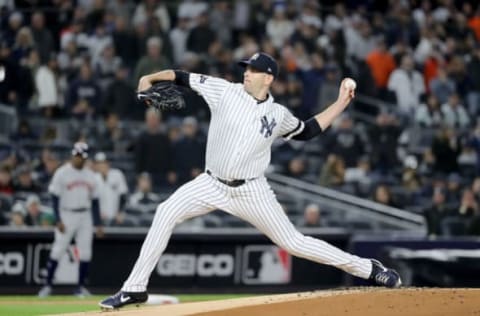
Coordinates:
[113,191]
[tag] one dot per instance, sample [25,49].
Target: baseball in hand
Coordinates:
[350,84]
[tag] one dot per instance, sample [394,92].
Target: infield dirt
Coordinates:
[351,302]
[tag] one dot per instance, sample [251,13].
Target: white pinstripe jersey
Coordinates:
[241,130]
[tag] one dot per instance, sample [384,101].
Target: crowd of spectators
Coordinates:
[410,140]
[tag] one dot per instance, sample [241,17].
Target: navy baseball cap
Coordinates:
[80,149]
[262,62]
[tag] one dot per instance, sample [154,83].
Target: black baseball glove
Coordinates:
[163,95]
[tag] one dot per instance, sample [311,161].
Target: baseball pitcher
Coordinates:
[245,120]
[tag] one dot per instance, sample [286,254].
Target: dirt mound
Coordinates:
[353,302]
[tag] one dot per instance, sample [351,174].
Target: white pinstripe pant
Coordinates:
[254,202]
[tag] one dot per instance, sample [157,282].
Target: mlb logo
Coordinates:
[266,265]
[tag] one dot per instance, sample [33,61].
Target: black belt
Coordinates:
[78,210]
[230,183]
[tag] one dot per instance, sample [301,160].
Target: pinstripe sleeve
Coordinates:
[291,125]
[210,88]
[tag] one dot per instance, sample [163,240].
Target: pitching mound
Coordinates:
[355,302]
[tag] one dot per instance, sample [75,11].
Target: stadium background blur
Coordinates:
[410,140]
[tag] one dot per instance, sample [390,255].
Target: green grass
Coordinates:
[32,305]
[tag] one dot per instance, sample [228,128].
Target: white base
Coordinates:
[157,299]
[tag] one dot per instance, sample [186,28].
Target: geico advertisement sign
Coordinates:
[11,263]
[218,265]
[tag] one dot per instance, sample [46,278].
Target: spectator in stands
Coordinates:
[435,213]
[98,41]
[143,195]
[153,151]
[360,177]
[442,87]
[23,182]
[383,195]
[120,97]
[328,89]
[42,36]
[178,39]
[279,28]
[306,33]
[201,36]
[446,148]
[106,65]
[189,151]
[336,19]
[17,216]
[46,166]
[359,39]
[15,21]
[121,8]
[84,94]
[221,21]
[345,142]
[70,60]
[408,85]
[293,97]
[463,35]
[469,207]
[312,76]
[427,163]
[311,216]
[454,113]
[48,87]
[75,35]
[174,132]
[114,136]
[124,41]
[411,182]
[457,71]
[6,186]
[381,64]
[454,188]
[24,133]
[33,215]
[432,64]
[23,45]
[147,9]
[298,168]
[426,44]
[153,61]
[333,172]
[383,137]
[113,192]
[429,114]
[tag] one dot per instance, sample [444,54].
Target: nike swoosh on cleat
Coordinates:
[123,299]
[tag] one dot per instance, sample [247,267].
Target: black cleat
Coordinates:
[384,276]
[123,298]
